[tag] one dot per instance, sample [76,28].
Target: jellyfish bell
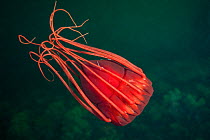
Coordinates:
[126,92]
[113,89]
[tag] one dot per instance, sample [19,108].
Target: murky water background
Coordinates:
[169,40]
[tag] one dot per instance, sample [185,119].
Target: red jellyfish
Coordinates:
[113,89]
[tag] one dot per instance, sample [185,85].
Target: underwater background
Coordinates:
[168,39]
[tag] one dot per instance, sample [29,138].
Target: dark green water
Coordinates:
[168,39]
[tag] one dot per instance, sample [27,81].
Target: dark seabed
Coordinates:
[168,39]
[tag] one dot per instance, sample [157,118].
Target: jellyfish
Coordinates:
[110,87]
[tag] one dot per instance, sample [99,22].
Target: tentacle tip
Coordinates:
[24,40]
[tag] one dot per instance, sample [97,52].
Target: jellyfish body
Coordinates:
[114,89]
[117,91]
